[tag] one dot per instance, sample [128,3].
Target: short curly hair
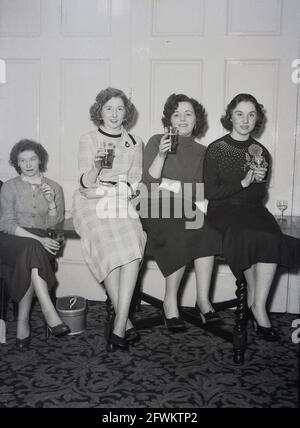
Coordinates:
[102,98]
[226,118]
[24,145]
[171,105]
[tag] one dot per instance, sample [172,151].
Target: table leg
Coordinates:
[110,315]
[240,333]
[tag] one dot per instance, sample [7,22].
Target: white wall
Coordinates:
[60,53]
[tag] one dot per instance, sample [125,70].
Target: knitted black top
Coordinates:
[225,165]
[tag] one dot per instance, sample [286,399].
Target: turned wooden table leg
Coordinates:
[136,298]
[110,314]
[3,300]
[240,332]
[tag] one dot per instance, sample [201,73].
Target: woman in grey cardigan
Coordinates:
[30,203]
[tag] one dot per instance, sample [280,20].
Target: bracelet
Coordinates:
[81,182]
[53,208]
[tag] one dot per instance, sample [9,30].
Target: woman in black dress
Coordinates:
[171,242]
[235,170]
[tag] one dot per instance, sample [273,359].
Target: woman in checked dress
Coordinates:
[111,234]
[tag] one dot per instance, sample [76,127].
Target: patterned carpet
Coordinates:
[184,370]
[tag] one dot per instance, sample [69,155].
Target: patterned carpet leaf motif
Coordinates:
[192,369]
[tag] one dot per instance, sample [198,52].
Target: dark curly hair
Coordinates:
[24,145]
[226,119]
[102,98]
[171,105]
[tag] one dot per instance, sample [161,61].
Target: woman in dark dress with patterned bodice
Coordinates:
[171,242]
[235,170]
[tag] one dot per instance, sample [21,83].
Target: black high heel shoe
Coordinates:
[208,317]
[59,330]
[108,327]
[266,333]
[131,335]
[22,344]
[118,341]
[113,340]
[173,324]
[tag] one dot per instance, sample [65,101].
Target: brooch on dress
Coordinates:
[255,158]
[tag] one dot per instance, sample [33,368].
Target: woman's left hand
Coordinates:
[48,192]
[51,245]
[122,189]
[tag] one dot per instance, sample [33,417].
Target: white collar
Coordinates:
[37,180]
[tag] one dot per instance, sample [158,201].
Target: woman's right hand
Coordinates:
[164,145]
[249,178]
[50,245]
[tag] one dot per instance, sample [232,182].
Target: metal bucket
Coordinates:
[72,310]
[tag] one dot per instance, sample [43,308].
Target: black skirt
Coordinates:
[252,235]
[173,244]
[18,256]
